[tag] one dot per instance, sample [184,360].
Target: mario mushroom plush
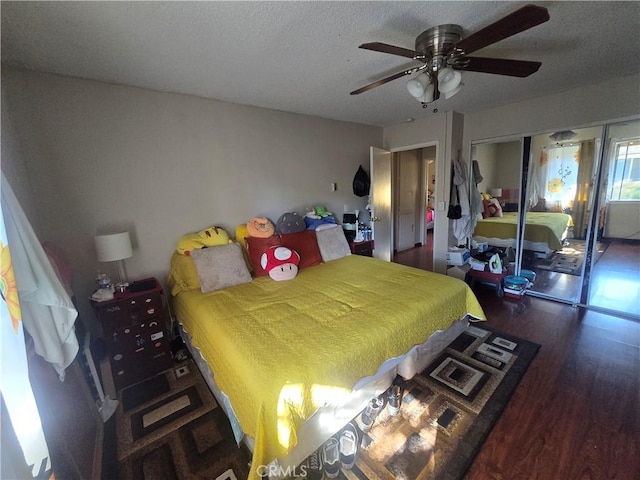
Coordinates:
[281,263]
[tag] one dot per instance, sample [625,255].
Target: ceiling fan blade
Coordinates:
[523,19]
[499,66]
[384,80]
[393,50]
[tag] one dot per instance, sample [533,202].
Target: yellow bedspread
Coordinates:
[544,227]
[280,350]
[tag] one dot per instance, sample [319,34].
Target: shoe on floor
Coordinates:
[314,465]
[368,416]
[349,440]
[331,454]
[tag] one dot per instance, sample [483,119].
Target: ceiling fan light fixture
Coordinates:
[448,80]
[418,85]
[448,95]
[428,94]
[563,135]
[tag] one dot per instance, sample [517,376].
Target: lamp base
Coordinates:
[121,287]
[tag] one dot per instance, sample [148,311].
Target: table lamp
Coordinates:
[115,247]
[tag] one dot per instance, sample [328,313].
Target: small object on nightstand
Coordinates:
[142,285]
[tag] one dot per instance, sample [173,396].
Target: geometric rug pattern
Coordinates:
[446,412]
[180,434]
[567,260]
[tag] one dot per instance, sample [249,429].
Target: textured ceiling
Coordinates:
[303,57]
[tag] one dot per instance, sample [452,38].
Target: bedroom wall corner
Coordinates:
[162,164]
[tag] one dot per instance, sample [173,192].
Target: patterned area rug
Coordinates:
[568,260]
[179,434]
[446,412]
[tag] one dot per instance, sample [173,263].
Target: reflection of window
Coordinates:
[624,175]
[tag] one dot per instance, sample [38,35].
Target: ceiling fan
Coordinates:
[443,53]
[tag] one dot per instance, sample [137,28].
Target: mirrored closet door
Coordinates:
[498,172]
[558,202]
[565,205]
[612,278]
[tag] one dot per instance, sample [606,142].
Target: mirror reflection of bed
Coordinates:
[556,216]
[560,194]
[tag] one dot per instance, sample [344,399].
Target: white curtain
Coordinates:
[47,311]
[23,439]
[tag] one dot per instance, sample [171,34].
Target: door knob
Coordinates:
[375,219]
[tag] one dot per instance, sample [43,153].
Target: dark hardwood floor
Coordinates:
[576,413]
[419,257]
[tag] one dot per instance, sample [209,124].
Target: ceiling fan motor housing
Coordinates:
[438,40]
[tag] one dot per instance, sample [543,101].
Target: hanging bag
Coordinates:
[361,183]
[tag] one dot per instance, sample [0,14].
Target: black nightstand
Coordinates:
[364,248]
[136,330]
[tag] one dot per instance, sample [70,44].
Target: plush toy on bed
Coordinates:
[317,216]
[290,222]
[209,237]
[281,263]
[261,227]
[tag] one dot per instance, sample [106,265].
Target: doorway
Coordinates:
[384,166]
[413,182]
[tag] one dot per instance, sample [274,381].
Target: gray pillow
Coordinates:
[332,244]
[220,267]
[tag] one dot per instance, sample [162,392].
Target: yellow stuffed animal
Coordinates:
[209,237]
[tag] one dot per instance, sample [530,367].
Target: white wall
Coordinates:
[99,157]
[614,99]
[508,171]
[485,155]
[622,220]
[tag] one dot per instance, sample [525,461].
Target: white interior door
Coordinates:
[381,224]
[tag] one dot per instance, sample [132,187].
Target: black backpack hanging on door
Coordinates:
[361,183]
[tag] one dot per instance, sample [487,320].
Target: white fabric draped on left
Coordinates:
[48,314]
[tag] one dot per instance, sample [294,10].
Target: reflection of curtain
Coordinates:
[580,202]
[559,172]
[17,395]
[533,189]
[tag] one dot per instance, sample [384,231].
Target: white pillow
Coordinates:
[332,244]
[220,267]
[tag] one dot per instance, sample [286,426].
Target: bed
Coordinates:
[292,362]
[544,231]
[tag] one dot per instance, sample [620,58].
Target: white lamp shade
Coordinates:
[113,247]
[448,80]
[428,94]
[417,85]
[496,192]
[450,94]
